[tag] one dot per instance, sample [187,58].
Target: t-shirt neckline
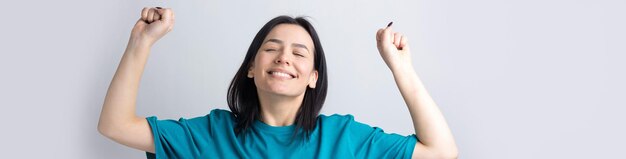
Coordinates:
[273,129]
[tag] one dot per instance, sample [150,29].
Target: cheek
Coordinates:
[259,62]
[306,70]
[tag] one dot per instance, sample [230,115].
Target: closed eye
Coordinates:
[298,54]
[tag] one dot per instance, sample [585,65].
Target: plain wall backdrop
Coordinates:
[514,79]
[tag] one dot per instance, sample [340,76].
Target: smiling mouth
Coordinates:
[281,74]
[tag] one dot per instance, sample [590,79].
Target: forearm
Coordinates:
[118,109]
[428,121]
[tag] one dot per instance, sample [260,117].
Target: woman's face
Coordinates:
[284,63]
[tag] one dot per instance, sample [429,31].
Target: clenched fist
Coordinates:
[393,48]
[153,24]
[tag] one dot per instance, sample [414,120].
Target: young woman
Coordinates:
[274,101]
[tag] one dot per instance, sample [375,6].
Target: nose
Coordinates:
[283,58]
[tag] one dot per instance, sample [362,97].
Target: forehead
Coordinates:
[290,33]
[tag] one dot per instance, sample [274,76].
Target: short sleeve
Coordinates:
[373,142]
[177,139]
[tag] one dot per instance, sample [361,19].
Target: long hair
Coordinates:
[243,99]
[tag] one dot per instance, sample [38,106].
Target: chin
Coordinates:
[281,91]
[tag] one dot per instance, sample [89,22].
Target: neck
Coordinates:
[278,110]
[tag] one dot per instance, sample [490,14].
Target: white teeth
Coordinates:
[281,74]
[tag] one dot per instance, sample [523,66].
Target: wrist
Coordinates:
[139,44]
[138,47]
[403,72]
[402,69]
[140,41]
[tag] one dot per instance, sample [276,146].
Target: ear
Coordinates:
[250,72]
[313,79]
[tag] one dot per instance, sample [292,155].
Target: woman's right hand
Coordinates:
[153,24]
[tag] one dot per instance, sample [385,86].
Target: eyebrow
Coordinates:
[293,44]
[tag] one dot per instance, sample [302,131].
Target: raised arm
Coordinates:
[436,140]
[118,120]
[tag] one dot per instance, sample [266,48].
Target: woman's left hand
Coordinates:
[394,49]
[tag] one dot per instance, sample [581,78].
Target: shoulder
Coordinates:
[221,115]
[216,119]
[213,116]
[337,116]
[344,121]
[336,119]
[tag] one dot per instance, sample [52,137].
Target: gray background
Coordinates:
[514,79]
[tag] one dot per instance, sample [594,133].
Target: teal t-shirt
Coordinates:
[213,136]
